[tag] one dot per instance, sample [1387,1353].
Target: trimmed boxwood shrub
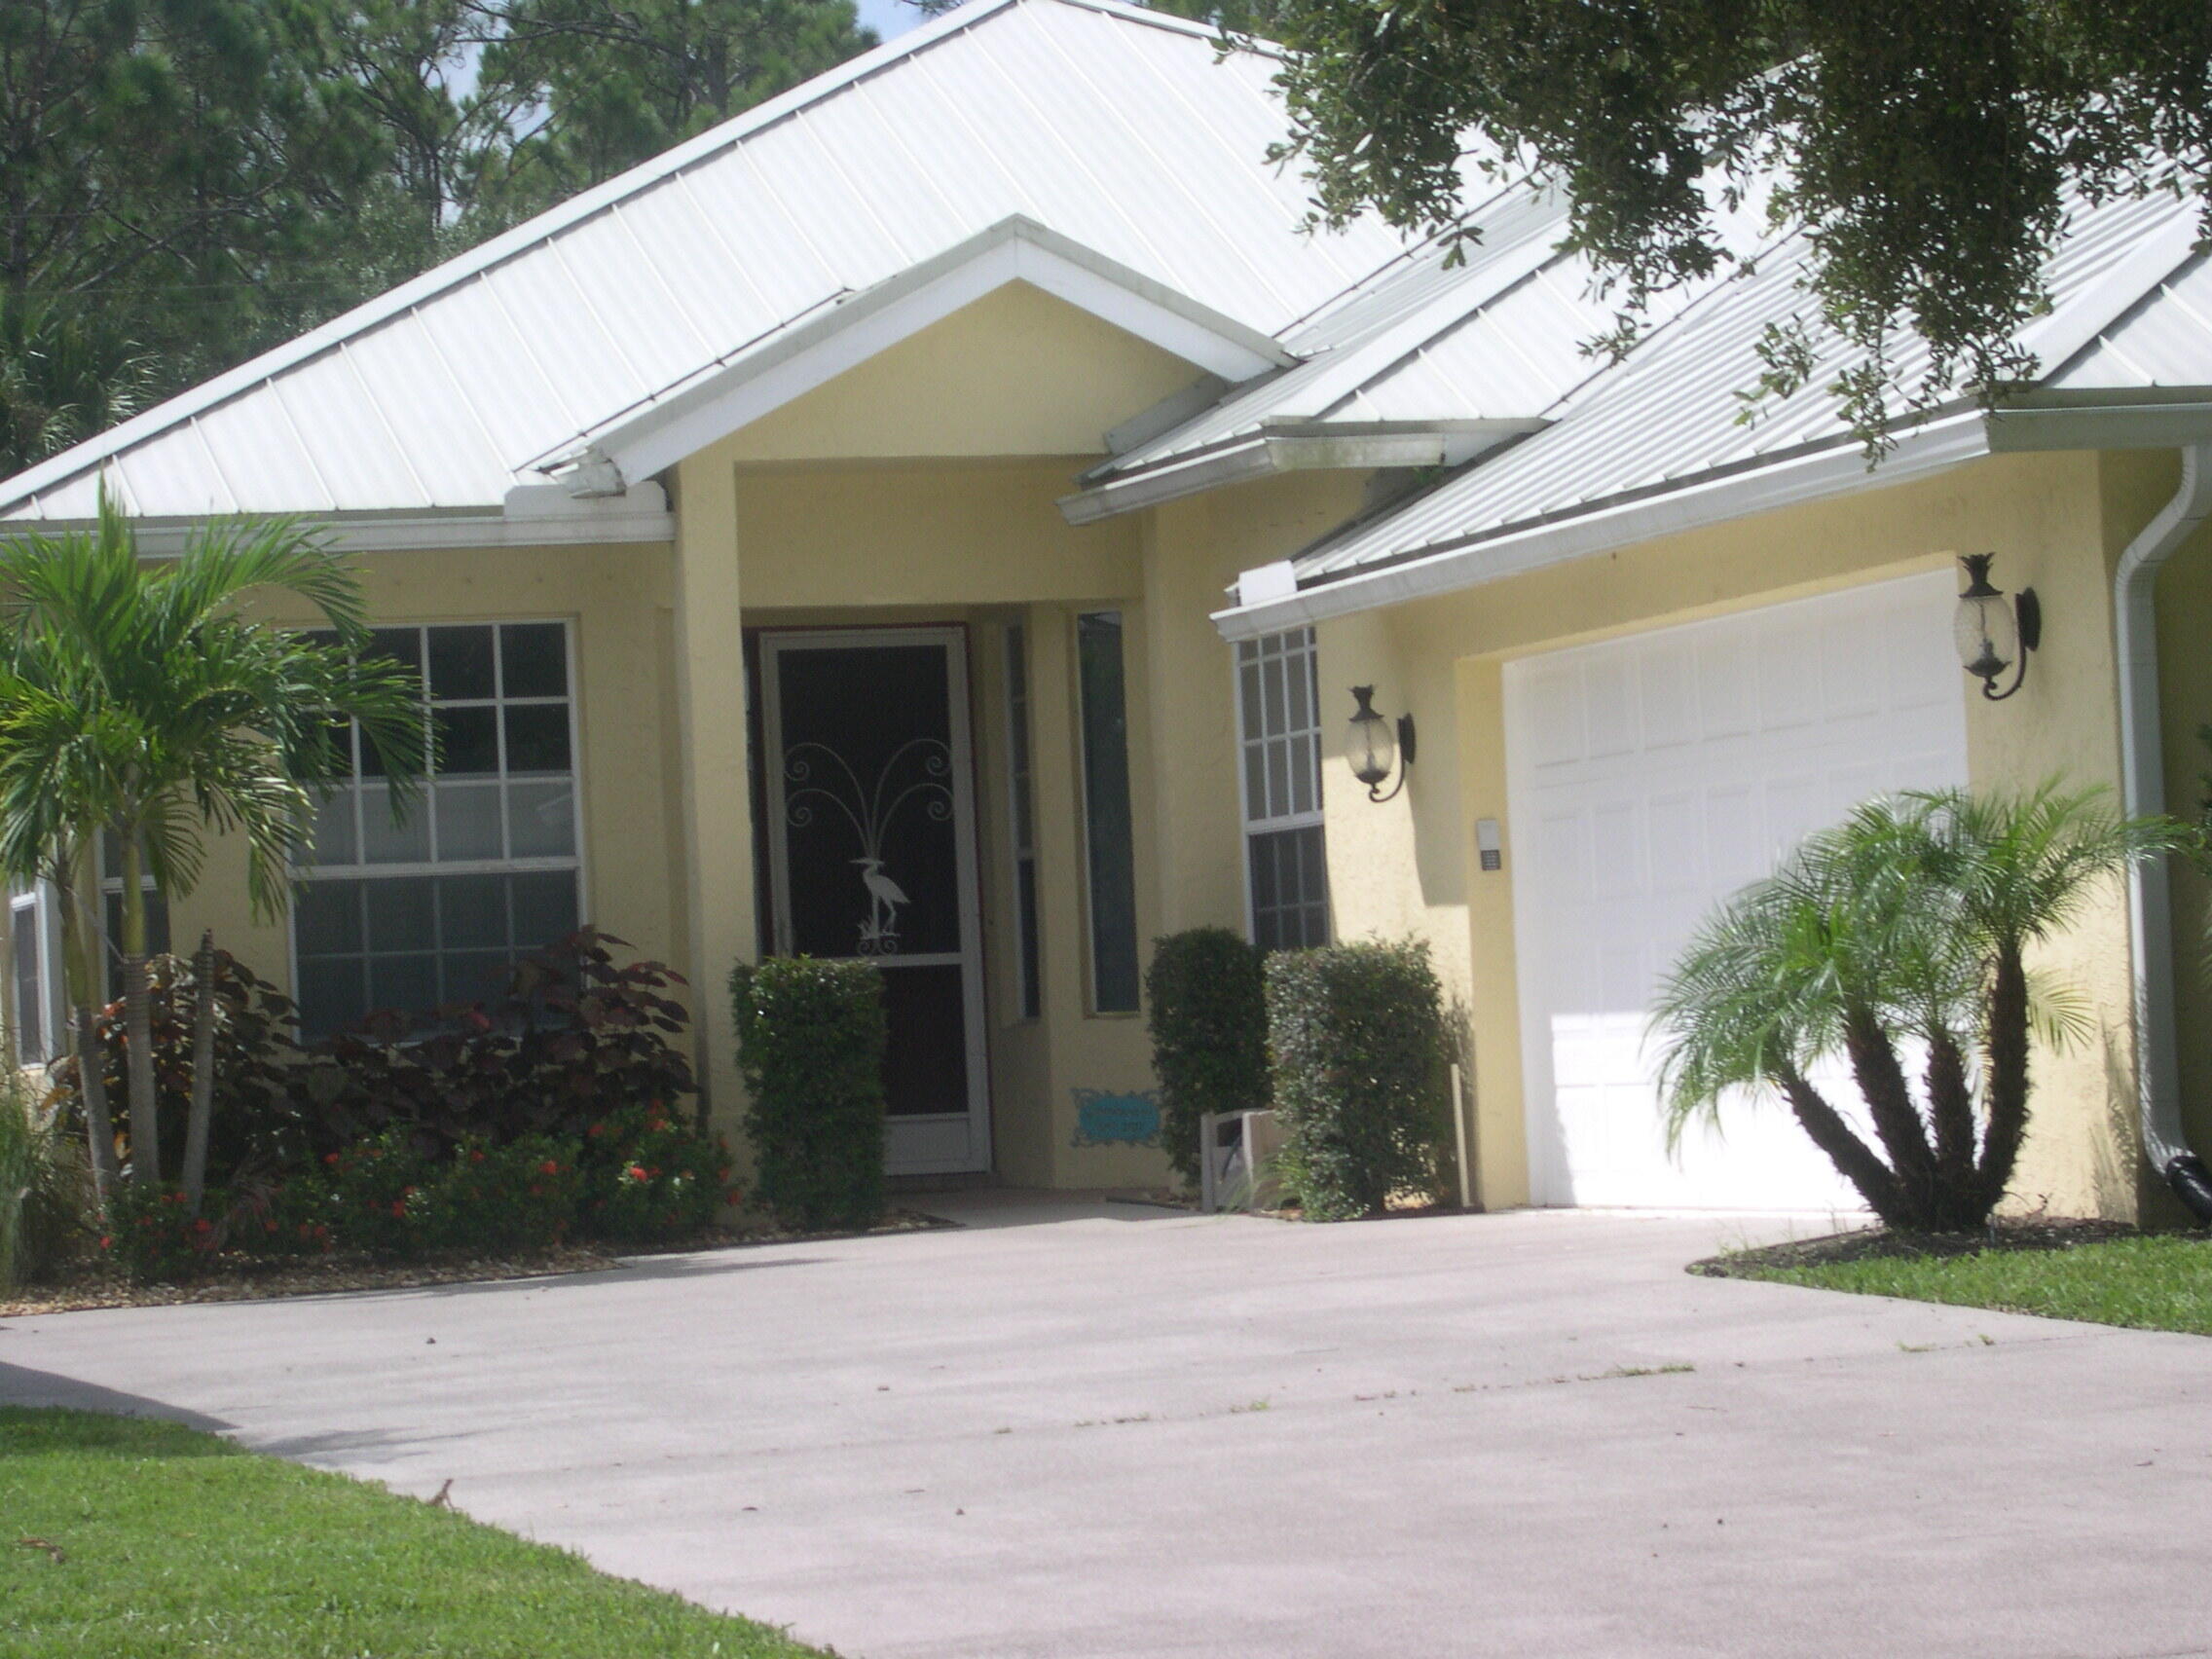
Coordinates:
[810,1038]
[1356,1033]
[1207,994]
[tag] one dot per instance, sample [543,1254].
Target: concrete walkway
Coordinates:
[1082,1428]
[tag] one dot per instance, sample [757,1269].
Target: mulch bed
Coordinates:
[2026,1232]
[239,1278]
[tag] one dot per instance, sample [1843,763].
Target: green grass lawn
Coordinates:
[122,1538]
[2157,1282]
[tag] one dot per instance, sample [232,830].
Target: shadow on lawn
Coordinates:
[20,1386]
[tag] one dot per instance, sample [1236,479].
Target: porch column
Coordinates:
[717,803]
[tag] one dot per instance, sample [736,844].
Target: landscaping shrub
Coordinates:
[649,1177]
[810,1039]
[153,1236]
[44,1192]
[573,1037]
[294,1215]
[1356,1033]
[523,1195]
[383,1195]
[1206,989]
[257,1121]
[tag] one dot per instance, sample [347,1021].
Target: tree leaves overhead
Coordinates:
[184,183]
[1929,148]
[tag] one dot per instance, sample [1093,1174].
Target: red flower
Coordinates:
[107,1240]
[476,1158]
[331,1159]
[637,1172]
[550,1167]
[399,1206]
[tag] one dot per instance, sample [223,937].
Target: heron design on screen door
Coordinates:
[918,773]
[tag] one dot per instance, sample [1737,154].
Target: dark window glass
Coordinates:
[461,663]
[533,659]
[30,985]
[537,738]
[1290,889]
[1109,834]
[469,742]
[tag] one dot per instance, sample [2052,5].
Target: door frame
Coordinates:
[926,1144]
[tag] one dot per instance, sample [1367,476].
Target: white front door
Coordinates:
[872,852]
[1650,777]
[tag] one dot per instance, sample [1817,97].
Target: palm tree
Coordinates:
[1898,937]
[140,700]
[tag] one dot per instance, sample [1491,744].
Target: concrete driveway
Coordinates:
[1083,1428]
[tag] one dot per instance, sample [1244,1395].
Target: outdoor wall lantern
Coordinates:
[1993,632]
[1368,745]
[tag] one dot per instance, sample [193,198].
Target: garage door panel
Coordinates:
[1659,774]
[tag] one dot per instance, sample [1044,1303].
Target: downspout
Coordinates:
[2143,793]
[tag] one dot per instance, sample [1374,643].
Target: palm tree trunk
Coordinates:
[1951,1105]
[2008,1076]
[1897,1118]
[1824,1125]
[202,1070]
[81,975]
[138,1023]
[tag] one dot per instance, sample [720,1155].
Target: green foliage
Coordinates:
[810,1038]
[618,82]
[650,1177]
[1903,929]
[152,1238]
[1927,148]
[385,1192]
[523,1195]
[293,1215]
[1358,1041]
[257,1123]
[177,1544]
[1208,1019]
[35,1180]
[574,1037]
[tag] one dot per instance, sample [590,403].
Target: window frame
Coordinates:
[1252,827]
[37,901]
[576,863]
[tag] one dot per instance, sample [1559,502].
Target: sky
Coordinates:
[888,18]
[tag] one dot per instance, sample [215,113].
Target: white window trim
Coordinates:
[1250,826]
[576,862]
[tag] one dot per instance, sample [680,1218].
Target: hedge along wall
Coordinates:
[1357,1039]
[1209,1020]
[810,1038]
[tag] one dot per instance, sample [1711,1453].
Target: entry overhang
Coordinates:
[762,376]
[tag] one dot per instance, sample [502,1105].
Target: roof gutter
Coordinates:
[2142,788]
[1830,470]
[1293,446]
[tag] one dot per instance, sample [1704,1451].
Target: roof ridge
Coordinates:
[452,273]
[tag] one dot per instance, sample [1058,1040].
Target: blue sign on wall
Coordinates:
[1106,1119]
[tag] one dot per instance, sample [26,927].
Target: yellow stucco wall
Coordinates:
[618,602]
[1410,867]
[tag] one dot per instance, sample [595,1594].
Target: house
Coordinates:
[942,515]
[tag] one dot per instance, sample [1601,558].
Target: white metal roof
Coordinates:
[1122,131]
[1668,417]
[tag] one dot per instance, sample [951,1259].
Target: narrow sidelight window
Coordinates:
[1278,698]
[31,981]
[1109,839]
[1022,810]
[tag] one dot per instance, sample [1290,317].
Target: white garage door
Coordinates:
[1649,778]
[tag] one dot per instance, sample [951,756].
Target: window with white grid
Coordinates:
[485,868]
[1279,730]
